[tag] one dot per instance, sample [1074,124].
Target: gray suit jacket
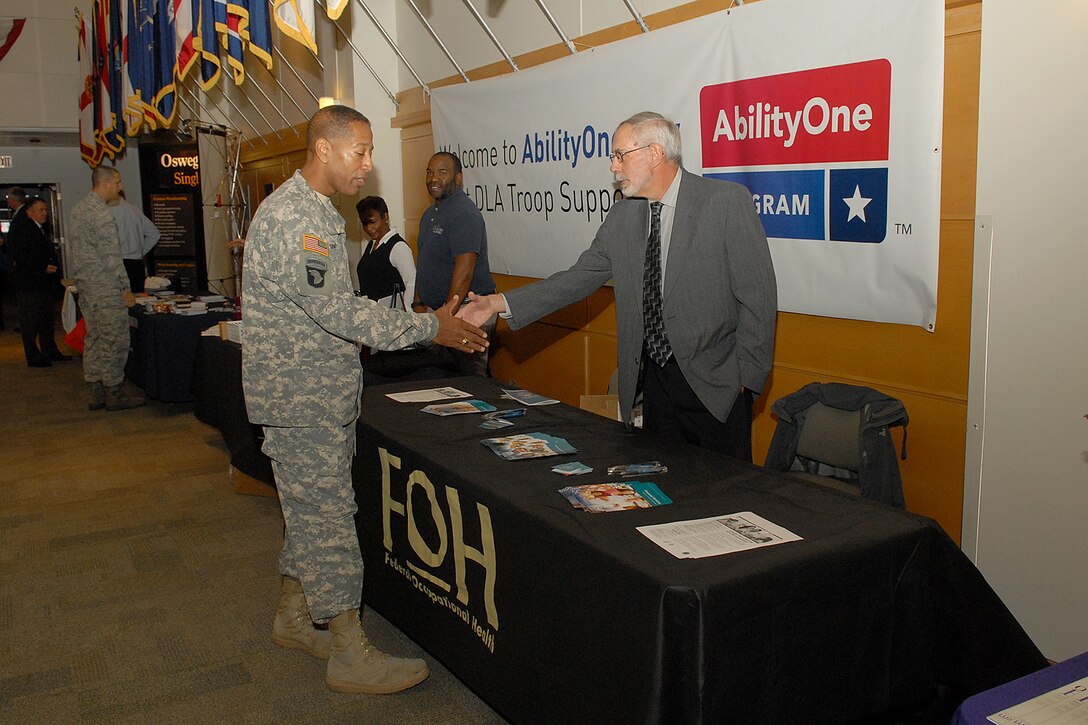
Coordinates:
[720,298]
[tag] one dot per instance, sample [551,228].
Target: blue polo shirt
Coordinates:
[448,228]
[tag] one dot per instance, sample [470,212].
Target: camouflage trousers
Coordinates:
[105,349]
[320,544]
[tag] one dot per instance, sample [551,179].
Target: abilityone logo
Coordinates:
[817,119]
[824,114]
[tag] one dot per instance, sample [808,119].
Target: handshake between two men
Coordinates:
[461,331]
[481,308]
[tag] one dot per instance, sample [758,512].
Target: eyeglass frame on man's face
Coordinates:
[618,156]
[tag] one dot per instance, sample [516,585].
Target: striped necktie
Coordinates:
[657,343]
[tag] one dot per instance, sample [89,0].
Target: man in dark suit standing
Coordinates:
[16,200]
[37,279]
[696,298]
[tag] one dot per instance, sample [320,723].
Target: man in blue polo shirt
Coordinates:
[452,250]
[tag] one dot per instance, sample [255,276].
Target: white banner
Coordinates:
[829,112]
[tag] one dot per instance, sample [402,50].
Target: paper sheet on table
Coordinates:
[426,396]
[717,535]
[1065,705]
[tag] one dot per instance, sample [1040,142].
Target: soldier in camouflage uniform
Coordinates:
[302,382]
[104,294]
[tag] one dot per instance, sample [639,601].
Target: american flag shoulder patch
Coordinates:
[313,244]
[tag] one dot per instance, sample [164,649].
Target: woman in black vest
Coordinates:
[387,271]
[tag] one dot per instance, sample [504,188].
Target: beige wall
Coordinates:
[1026,487]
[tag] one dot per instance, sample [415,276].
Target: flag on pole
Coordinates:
[100,99]
[335,8]
[139,65]
[259,41]
[106,110]
[231,20]
[295,19]
[88,147]
[165,61]
[10,28]
[207,43]
[181,13]
[113,128]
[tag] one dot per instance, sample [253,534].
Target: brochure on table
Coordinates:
[601,497]
[717,535]
[692,539]
[428,395]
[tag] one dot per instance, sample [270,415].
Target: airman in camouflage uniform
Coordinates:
[302,381]
[104,293]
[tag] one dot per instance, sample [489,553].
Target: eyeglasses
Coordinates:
[618,155]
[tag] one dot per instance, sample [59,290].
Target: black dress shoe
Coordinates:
[59,356]
[39,364]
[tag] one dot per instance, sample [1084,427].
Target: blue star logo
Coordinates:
[858,201]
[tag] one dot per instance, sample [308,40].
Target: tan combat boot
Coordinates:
[355,666]
[293,627]
[118,399]
[98,397]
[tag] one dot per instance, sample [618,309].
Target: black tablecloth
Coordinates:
[217,390]
[553,614]
[163,348]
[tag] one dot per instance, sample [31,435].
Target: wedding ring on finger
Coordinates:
[464,341]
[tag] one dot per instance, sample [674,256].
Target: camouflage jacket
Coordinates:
[95,261]
[301,319]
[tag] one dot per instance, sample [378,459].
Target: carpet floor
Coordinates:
[136,587]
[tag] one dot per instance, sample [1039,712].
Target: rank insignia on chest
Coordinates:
[310,243]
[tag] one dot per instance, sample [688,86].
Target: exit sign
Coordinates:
[5,162]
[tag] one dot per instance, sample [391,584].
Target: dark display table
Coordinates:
[217,391]
[552,614]
[218,401]
[163,349]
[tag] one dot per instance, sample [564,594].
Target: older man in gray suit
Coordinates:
[696,298]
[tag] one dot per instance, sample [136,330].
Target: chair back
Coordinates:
[830,436]
[838,435]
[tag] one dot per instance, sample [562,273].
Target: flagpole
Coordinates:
[487,29]
[276,109]
[637,16]
[393,45]
[206,110]
[392,98]
[438,40]
[246,118]
[258,110]
[555,25]
[187,107]
[292,69]
[286,93]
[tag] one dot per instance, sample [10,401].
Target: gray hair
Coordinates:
[650,127]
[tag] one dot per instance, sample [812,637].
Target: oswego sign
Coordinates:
[169,161]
